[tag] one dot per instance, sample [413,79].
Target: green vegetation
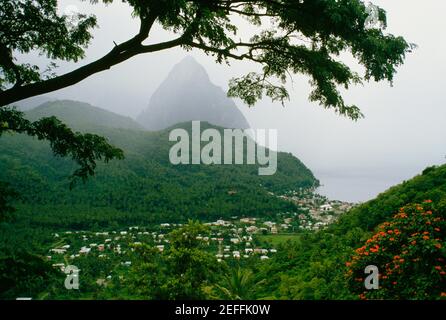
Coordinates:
[143,188]
[308,265]
[409,250]
[314,267]
[323,30]
[278,239]
[79,115]
[85,149]
[146,190]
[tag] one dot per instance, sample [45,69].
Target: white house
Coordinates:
[59,250]
[326,207]
[84,250]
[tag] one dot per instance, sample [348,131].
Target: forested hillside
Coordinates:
[315,266]
[143,187]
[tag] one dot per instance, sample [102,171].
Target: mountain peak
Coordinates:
[188,69]
[188,94]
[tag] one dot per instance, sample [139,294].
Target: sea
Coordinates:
[358,187]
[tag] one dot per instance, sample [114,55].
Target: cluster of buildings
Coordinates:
[317,211]
[234,238]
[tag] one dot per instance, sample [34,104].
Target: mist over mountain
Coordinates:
[143,187]
[81,115]
[188,94]
[33,102]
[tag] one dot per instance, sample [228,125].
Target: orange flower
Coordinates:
[392,239]
[394,282]
[413,242]
[443,294]
[426,237]
[438,268]
[428,201]
[437,229]
[438,245]
[348,264]
[401,260]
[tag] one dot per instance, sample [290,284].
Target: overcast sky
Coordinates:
[403,131]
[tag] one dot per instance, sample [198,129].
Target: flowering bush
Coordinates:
[409,252]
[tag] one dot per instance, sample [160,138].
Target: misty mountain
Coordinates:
[33,102]
[80,115]
[144,186]
[188,94]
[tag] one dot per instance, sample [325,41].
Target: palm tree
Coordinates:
[239,284]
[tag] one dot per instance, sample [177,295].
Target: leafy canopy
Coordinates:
[292,37]
[410,254]
[84,149]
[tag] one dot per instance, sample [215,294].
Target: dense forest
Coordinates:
[406,241]
[405,223]
[315,266]
[144,186]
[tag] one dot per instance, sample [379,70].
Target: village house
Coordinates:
[326,207]
[248,220]
[59,250]
[252,229]
[269,224]
[61,266]
[84,250]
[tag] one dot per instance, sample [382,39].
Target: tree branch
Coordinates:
[118,54]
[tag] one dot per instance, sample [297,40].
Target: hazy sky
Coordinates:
[403,132]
